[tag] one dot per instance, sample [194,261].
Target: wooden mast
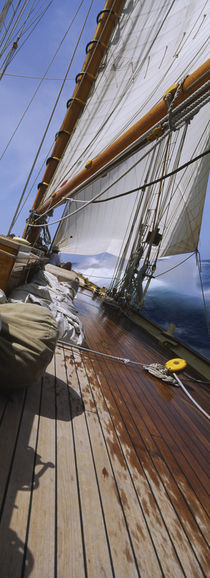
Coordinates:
[95,51]
[194,81]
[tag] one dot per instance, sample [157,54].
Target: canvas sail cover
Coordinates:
[155,45]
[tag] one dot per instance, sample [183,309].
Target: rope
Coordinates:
[175,266]
[122,95]
[21,31]
[133,166]
[122,359]
[155,369]
[190,397]
[35,77]
[156,180]
[122,194]
[30,102]
[99,194]
[197,380]
[198,262]
[52,113]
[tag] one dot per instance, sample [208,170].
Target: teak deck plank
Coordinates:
[155,490]
[41,531]
[157,461]
[120,503]
[8,438]
[14,521]
[69,536]
[102,466]
[92,516]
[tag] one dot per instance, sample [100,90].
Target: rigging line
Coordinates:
[190,396]
[55,105]
[16,23]
[14,53]
[34,24]
[125,90]
[30,190]
[123,359]
[181,194]
[21,29]
[126,362]
[4,12]
[10,22]
[66,174]
[35,77]
[34,6]
[77,89]
[171,185]
[185,38]
[152,166]
[53,58]
[96,196]
[156,180]
[77,190]
[196,380]
[198,263]
[175,266]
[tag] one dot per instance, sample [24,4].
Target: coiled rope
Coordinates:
[155,369]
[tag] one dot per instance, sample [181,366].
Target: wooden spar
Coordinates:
[95,50]
[194,81]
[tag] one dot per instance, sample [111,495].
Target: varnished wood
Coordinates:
[103,468]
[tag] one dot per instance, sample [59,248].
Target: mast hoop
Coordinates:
[107,12]
[75,99]
[81,75]
[92,44]
[42,184]
[52,159]
[62,132]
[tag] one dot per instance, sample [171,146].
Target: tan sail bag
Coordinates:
[28,336]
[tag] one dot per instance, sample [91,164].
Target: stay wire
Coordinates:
[156,180]
[119,100]
[33,26]
[142,187]
[97,195]
[43,77]
[175,266]
[130,361]
[55,105]
[198,262]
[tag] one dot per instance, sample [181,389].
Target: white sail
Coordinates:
[155,45]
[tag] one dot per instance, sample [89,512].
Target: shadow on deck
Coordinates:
[103,467]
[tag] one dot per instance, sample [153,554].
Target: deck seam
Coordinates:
[77,476]
[96,476]
[128,472]
[184,456]
[162,482]
[133,483]
[56,478]
[13,455]
[32,487]
[159,417]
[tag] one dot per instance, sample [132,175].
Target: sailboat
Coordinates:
[104,460]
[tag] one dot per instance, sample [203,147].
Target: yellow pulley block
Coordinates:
[176,364]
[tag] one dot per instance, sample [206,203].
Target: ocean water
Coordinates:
[174,296]
[181,303]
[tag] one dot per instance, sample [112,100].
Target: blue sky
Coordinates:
[16,93]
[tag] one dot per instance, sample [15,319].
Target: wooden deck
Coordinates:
[103,468]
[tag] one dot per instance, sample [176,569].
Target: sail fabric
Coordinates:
[106,226]
[155,44]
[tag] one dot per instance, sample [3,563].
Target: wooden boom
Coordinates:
[194,81]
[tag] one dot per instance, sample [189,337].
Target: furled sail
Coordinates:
[156,44]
